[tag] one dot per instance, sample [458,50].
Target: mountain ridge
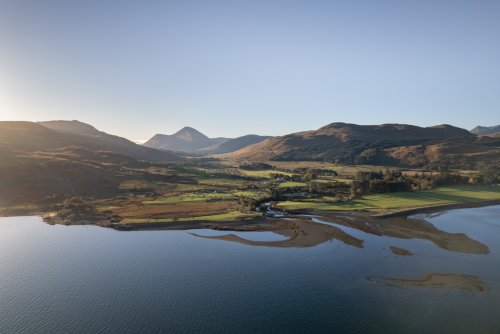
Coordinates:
[32,136]
[384,144]
[485,130]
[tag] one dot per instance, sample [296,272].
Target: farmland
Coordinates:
[223,191]
[393,202]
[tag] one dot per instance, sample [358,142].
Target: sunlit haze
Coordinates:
[267,67]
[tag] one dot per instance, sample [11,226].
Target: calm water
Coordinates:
[59,279]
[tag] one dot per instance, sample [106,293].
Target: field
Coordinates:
[223,217]
[190,197]
[393,202]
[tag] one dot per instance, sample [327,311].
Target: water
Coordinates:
[81,279]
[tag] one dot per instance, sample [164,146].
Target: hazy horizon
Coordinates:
[268,68]
[143,140]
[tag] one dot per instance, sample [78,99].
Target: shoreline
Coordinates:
[243,224]
[308,230]
[438,208]
[405,213]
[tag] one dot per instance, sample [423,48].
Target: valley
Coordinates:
[72,173]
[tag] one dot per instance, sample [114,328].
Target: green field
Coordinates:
[257,195]
[392,202]
[292,184]
[191,197]
[264,173]
[223,217]
[334,180]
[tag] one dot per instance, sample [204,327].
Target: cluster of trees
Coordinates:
[75,207]
[256,166]
[247,204]
[489,174]
[315,171]
[379,182]
[395,180]
[366,182]
[303,175]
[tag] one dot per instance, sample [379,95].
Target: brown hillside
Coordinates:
[39,165]
[30,137]
[386,144]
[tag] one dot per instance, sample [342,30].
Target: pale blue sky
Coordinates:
[228,68]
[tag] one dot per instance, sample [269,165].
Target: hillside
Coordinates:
[72,127]
[38,164]
[386,144]
[234,144]
[485,130]
[77,133]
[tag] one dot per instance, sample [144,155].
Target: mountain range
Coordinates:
[386,144]
[190,140]
[39,160]
[485,130]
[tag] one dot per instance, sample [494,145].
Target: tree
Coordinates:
[490,174]
[312,187]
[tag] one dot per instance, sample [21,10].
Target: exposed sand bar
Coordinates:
[406,228]
[400,251]
[438,280]
[300,233]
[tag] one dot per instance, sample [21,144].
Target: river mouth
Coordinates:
[90,279]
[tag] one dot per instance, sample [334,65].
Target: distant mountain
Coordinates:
[234,144]
[78,133]
[485,130]
[386,144]
[190,140]
[185,140]
[219,140]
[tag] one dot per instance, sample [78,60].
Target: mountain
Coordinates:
[77,133]
[39,164]
[386,144]
[185,140]
[72,127]
[485,130]
[234,144]
[190,140]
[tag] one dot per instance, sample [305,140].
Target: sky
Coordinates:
[229,68]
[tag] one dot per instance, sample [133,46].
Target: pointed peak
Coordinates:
[188,128]
[190,134]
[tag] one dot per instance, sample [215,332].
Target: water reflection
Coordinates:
[298,233]
[312,231]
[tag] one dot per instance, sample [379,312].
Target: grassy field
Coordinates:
[257,195]
[333,180]
[264,173]
[190,197]
[223,217]
[18,208]
[292,184]
[392,202]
